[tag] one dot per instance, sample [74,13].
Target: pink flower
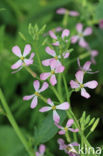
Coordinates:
[22,57]
[64,35]
[63,11]
[41,150]
[63,106]
[67,127]
[93,54]
[78,84]
[81,35]
[101,24]
[54,70]
[86,67]
[36,94]
[55,57]
[69,149]
[57,29]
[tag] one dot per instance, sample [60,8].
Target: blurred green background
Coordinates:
[15,16]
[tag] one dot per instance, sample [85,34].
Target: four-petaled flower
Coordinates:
[55,57]
[69,149]
[64,35]
[56,117]
[81,35]
[63,11]
[67,127]
[22,57]
[41,150]
[54,69]
[36,94]
[78,84]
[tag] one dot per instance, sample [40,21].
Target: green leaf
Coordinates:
[47,129]
[99,10]
[9,143]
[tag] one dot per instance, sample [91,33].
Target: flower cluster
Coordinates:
[69,149]
[56,67]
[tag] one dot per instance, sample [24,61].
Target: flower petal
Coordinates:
[58,125]
[28,61]
[66,55]
[83,43]
[79,27]
[34,102]
[74,39]
[61,132]
[94,53]
[36,85]
[50,102]
[69,123]
[27,50]
[31,56]
[44,87]
[74,84]
[44,76]
[91,84]
[59,69]
[84,93]
[53,80]
[56,43]
[65,33]
[52,35]
[28,97]
[45,109]
[63,106]
[17,64]
[87,31]
[74,144]
[73,130]
[37,154]
[61,144]
[73,13]
[16,50]
[46,62]
[86,66]
[56,117]
[79,76]
[61,11]
[50,51]
[42,149]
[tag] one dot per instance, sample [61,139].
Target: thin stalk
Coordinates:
[15,126]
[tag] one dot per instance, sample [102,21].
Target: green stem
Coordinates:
[15,126]
[30,71]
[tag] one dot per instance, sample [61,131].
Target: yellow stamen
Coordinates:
[81,85]
[37,94]
[66,129]
[52,72]
[22,58]
[53,107]
[56,57]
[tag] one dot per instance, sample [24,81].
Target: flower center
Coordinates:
[52,72]
[68,148]
[66,129]
[56,57]
[22,58]
[53,107]
[81,34]
[37,94]
[81,85]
